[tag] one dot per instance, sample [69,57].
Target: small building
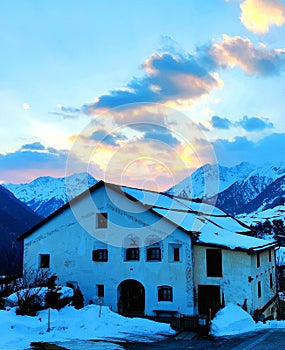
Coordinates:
[143,252]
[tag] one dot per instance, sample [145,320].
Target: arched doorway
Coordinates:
[131,298]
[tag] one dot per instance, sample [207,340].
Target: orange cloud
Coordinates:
[148,144]
[259,15]
[240,52]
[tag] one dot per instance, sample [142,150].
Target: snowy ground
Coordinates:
[233,320]
[17,332]
[70,327]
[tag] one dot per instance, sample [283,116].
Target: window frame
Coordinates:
[153,253]
[102,220]
[165,293]
[214,262]
[176,254]
[100,290]
[257,260]
[42,261]
[100,255]
[129,256]
[259,291]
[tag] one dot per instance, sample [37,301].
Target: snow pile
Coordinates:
[17,332]
[232,319]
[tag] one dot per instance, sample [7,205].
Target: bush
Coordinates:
[29,305]
[78,299]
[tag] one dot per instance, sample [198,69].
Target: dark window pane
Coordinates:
[100,290]
[164,293]
[153,254]
[214,262]
[176,256]
[132,254]
[44,261]
[257,260]
[259,289]
[100,255]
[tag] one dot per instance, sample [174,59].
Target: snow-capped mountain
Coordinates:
[244,188]
[15,219]
[209,180]
[276,213]
[268,205]
[46,194]
[247,195]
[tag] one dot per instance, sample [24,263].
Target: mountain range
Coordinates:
[46,194]
[242,189]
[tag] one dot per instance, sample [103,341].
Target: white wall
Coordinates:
[235,284]
[70,247]
[262,274]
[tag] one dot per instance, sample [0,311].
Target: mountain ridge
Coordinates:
[46,194]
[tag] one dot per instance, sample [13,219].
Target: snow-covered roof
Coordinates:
[215,227]
[210,225]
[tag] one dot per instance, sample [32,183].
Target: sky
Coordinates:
[139,92]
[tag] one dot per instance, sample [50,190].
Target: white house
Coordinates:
[144,252]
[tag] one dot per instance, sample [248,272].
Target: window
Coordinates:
[153,253]
[44,261]
[269,255]
[100,290]
[102,220]
[259,289]
[176,254]
[100,255]
[214,262]
[271,280]
[257,260]
[132,254]
[164,293]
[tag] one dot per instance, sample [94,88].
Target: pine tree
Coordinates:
[78,299]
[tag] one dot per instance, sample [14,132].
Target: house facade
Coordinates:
[219,278]
[142,252]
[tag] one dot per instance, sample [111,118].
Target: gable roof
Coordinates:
[207,224]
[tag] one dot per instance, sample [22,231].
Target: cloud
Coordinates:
[109,139]
[26,106]
[239,52]
[249,124]
[168,78]
[220,123]
[178,79]
[255,124]
[159,133]
[33,146]
[30,161]
[67,112]
[241,149]
[259,15]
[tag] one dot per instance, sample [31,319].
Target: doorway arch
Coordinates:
[131,297]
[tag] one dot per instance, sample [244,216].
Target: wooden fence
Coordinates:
[184,322]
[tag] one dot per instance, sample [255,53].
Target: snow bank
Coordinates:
[232,319]
[17,332]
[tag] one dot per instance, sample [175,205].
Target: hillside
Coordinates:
[15,219]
